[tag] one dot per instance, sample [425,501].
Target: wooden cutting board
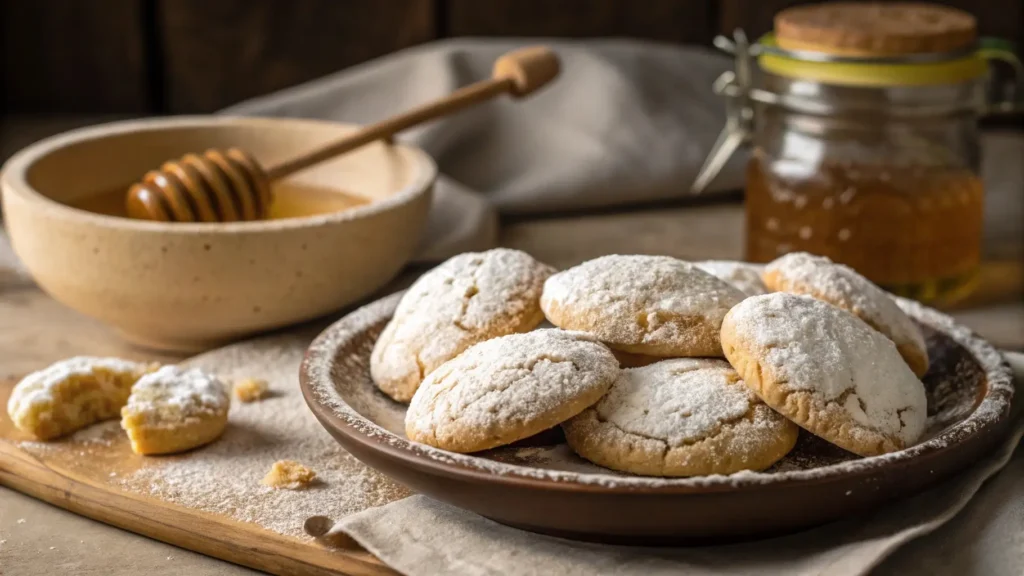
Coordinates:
[77,478]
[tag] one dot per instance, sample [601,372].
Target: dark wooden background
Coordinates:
[174,56]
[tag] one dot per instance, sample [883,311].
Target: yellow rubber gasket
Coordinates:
[874,74]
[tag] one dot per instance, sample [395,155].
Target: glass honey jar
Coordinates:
[868,156]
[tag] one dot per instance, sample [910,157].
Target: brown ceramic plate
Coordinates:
[540,485]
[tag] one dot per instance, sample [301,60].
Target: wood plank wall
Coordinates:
[178,56]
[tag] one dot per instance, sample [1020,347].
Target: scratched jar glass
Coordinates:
[873,162]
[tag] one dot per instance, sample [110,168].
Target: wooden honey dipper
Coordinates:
[230,185]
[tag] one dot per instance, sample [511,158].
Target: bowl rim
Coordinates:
[330,408]
[13,177]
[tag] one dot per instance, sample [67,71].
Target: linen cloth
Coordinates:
[626,122]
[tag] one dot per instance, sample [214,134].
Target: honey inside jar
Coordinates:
[866,146]
[915,231]
[291,200]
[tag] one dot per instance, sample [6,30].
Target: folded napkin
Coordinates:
[626,122]
[419,535]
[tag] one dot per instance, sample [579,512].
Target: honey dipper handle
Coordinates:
[518,73]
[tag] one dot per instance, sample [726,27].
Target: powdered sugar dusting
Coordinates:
[807,344]
[335,371]
[742,275]
[509,387]
[468,299]
[192,392]
[844,287]
[679,401]
[651,300]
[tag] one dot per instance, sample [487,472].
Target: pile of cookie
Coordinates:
[654,366]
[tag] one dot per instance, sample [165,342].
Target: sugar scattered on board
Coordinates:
[225,476]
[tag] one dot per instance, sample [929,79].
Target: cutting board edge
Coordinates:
[195,530]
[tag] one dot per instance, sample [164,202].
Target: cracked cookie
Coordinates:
[744,276]
[681,417]
[509,388]
[653,305]
[174,409]
[469,298]
[817,276]
[72,394]
[826,370]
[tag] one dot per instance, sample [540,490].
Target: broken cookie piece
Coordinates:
[173,410]
[289,475]
[72,394]
[251,389]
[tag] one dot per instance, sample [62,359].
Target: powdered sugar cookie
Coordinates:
[72,394]
[468,299]
[817,276]
[742,275]
[173,410]
[826,370]
[509,388]
[652,305]
[681,417]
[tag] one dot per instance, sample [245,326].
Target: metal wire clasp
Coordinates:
[734,85]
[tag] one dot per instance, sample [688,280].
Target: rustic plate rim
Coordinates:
[333,412]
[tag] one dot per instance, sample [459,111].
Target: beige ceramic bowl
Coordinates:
[193,286]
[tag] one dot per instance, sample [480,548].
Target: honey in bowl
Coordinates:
[291,200]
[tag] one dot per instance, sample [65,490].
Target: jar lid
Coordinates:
[875,29]
[920,69]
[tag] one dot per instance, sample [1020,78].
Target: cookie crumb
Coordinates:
[289,474]
[251,389]
[21,520]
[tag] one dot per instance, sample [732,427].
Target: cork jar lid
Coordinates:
[875,29]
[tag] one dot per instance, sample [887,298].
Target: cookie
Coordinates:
[681,417]
[468,299]
[744,276]
[817,276]
[653,305]
[509,388]
[174,409]
[826,370]
[72,394]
